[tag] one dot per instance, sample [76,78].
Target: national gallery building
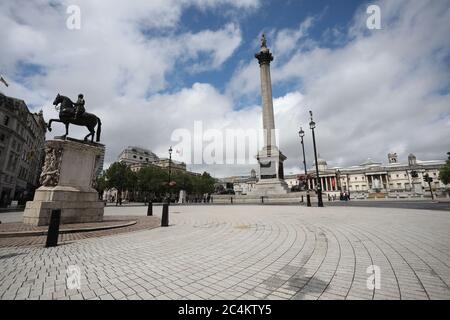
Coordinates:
[366,178]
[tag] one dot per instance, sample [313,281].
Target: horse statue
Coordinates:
[67,116]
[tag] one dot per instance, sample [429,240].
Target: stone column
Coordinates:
[270,158]
[264,58]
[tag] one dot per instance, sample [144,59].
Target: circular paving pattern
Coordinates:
[247,252]
[15,234]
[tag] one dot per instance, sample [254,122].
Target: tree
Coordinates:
[152,181]
[444,174]
[101,184]
[120,177]
[204,183]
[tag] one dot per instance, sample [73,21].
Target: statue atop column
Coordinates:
[263,41]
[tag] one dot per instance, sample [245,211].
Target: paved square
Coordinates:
[246,252]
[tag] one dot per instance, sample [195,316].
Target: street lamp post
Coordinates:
[312,126]
[301,133]
[170,161]
[338,178]
[165,210]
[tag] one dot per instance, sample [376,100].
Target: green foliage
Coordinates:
[120,177]
[152,181]
[444,174]
[101,183]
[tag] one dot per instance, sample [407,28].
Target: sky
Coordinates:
[149,68]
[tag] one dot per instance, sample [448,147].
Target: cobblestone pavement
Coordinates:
[247,252]
[142,223]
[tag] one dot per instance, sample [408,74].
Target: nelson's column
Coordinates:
[270,158]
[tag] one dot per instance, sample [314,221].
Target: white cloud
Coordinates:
[287,39]
[382,91]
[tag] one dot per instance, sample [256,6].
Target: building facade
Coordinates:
[136,155]
[138,158]
[240,185]
[366,179]
[22,138]
[372,177]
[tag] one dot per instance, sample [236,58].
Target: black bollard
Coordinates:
[150,208]
[53,229]
[165,215]
[262,199]
[231,200]
[308,200]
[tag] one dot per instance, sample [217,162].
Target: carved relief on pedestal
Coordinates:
[52,166]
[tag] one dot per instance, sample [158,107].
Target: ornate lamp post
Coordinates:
[312,126]
[301,133]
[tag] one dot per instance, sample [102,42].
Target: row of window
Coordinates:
[363,178]
[140,158]
[23,173]
[8,178]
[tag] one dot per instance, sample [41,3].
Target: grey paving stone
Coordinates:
[282,252]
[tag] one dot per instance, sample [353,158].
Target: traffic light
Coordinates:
[427,178]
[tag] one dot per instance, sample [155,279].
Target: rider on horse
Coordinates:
[79,106]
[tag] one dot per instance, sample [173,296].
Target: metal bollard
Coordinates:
[53,229]
[262,199]
[308,200]
[231,200]
[165,215]
[150,209]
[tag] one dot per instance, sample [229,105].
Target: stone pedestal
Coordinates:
[271,173]
[417,186]
[67,179]
[182,196]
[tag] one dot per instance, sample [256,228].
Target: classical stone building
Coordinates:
[363,180]
[136,155]
[241,185]
[137,158]
[22,137]
[371,177]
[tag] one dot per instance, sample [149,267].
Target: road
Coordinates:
[419,205]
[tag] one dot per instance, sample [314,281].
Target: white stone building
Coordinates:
[367,179]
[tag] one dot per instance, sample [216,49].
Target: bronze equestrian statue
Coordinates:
[74,113]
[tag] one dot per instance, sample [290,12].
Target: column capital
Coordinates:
[264,57]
